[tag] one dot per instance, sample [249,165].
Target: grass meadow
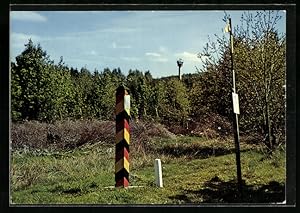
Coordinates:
[196,170]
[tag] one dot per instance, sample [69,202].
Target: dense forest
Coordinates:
[45,91]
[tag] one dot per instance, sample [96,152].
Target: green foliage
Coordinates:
[16,93]
[259,63]
[174,105]
[104,92]
[211,93]
[262,75]
[62,94]
[136,84]
[44,91]
[261,66]
[31,78]
[40,89]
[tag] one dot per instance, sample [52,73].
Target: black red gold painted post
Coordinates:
[122,137]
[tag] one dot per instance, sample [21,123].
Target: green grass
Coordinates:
[195,170]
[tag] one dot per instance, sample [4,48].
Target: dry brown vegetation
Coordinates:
[70,134]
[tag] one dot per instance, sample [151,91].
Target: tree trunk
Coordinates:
[156,111]
[268,128]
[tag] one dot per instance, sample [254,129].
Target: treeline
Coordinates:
[45,91]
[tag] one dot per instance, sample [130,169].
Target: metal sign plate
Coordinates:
[235,100]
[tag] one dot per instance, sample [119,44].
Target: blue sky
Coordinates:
[144,40]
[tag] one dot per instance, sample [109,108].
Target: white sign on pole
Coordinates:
[127,102]
[235,100]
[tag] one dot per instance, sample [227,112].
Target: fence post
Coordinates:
[122,137]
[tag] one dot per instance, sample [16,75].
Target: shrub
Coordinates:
[69,134]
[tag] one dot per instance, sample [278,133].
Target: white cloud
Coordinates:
[92,52]
[156,57]
[118,30]
[80,60]
[160,59]
[19,39]
[77,12]
[130,58]
[187,56]
[27,16]
[163,49]
[117,46]
[152,54]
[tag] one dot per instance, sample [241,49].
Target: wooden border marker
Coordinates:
[122,137]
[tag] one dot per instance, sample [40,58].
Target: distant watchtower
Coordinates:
[179,63]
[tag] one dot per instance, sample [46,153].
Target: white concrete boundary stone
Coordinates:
[158,173]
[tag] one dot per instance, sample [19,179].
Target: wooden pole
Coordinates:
[122,137]
[235,119]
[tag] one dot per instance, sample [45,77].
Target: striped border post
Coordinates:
[122,137]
